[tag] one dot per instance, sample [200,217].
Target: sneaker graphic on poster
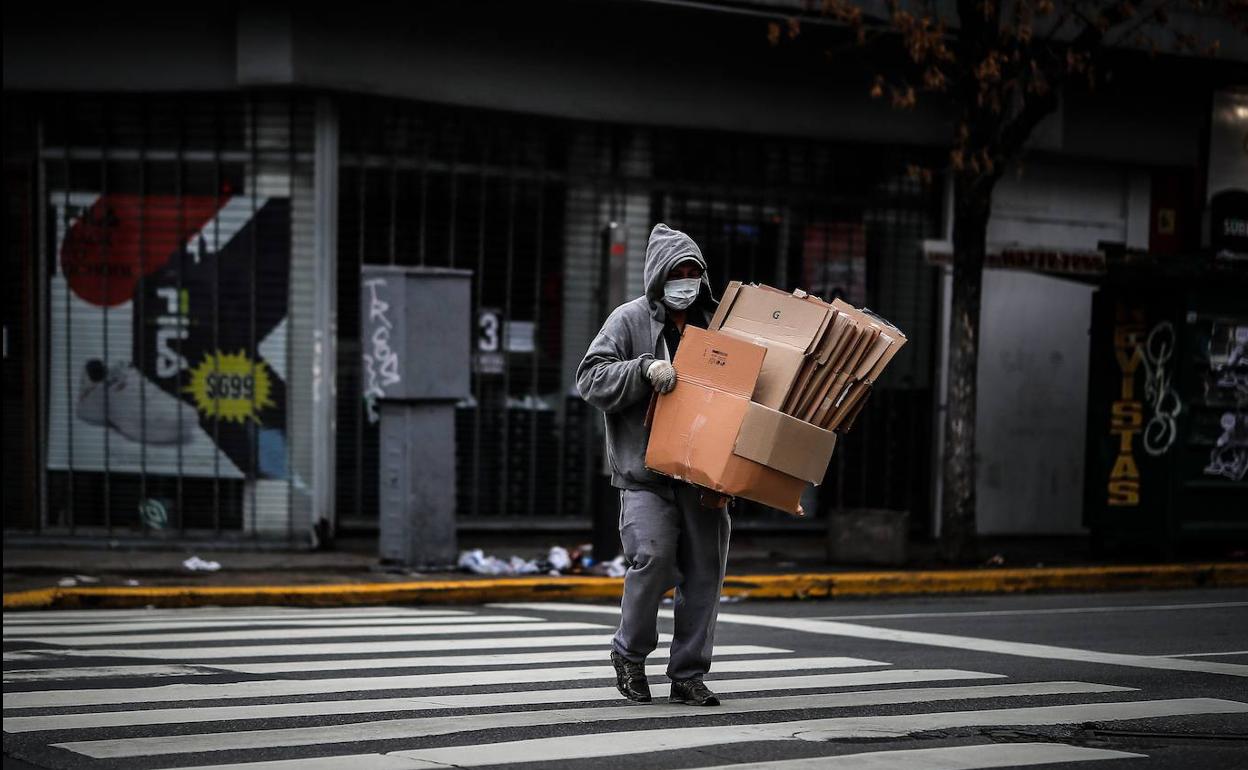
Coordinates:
[118,398]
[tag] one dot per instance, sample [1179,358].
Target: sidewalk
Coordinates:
[65,578]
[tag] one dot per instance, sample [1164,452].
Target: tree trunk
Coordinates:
[972,205]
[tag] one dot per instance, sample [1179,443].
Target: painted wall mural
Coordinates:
[1226,383]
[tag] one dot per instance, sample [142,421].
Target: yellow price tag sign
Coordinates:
[230,386]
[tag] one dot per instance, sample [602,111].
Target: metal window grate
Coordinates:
[525,202]
[165,226]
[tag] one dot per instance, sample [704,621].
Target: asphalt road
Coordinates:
[1138,680]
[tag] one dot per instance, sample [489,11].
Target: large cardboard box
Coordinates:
[708,432]
[790,326]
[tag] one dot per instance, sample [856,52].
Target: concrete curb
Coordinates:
[788,586]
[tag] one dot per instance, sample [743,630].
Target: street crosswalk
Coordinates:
[276,688]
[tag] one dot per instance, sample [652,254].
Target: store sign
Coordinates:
[168,334]
[1228,228]
[1227,174]
[1126,420]
[1052,261]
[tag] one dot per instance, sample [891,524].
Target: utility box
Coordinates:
[415,337]
[415,331]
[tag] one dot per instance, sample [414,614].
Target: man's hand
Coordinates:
[662,376]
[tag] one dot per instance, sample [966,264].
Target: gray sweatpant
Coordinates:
[671,544]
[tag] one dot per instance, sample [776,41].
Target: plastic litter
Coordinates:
[558,558]
[477,562]
[557,561]
[67,582]
[196,564]
[86,579]
[131,582]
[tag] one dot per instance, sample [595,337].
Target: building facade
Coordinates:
[186,224]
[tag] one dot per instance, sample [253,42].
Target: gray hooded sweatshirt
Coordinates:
[612,376]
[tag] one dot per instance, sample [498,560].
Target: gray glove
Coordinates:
[662,376]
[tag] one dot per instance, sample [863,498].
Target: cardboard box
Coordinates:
[708,432]
[790,326]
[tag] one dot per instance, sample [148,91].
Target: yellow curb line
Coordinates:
[789,586]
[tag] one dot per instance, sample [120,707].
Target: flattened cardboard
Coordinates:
[789,445]
[791,326]
[814,365]
[853,367]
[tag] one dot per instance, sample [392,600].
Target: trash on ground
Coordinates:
[131,582]
[557,561]
[196,564]
[67,582]
[558,558]
[86,579]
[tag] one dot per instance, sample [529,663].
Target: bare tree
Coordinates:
[1003,64]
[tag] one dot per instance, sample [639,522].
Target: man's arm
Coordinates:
[610,378]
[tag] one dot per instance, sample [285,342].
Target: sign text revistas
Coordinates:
[1126,417]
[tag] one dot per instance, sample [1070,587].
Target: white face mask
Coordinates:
[681,293]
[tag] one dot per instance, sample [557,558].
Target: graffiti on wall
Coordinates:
[1227,382]
[1163,401]
[381,361]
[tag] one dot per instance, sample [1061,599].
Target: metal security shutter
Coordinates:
[19,431]
[836,221]
[172,227]
[431,186]
[554,217]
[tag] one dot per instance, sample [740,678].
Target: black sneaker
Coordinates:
[692,692]
[630,678]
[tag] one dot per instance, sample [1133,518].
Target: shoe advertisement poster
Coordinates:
[168,334]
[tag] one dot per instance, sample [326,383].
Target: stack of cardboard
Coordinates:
[825,357]
[761,394]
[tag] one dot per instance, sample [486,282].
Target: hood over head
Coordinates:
[666,248]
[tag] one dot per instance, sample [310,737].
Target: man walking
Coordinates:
[673,535]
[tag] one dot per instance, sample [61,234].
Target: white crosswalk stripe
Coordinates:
[474,700]
[49,632]
[214,617]
[359,664]
[110,640]
[309,649]
[272,704]
[291,687]
[944,758]
[414,728]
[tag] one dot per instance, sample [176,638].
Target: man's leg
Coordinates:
[649,532]
[702,559]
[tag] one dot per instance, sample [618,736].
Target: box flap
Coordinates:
[725,304]
[718,361]
[837,323]
[895,343]
[776,316]
[785,443]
